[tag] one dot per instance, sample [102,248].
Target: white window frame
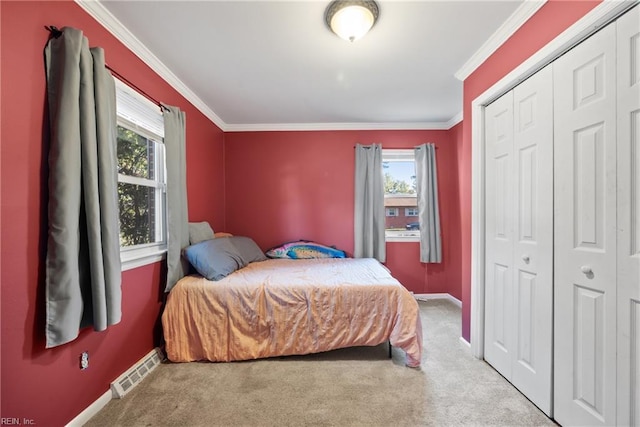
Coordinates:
[407,211]
[388,212]
[138,114]
[400,155]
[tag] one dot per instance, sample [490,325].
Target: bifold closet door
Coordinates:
[499,239]
[585,232]
[628,111]
[519,237]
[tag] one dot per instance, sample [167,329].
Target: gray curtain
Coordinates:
[428,210]
[83,273]
[369,203]
[177,214]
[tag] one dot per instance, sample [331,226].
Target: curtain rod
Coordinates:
[133,86]
[55,33]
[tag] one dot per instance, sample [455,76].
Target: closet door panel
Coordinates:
[585,232]
[533,243]
[628,109]
[519,214]
[499,240]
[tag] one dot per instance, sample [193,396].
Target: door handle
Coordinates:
[526,258]
[586,269]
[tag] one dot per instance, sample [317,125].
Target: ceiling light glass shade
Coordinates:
[351,20]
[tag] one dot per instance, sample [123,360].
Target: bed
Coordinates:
[282,307]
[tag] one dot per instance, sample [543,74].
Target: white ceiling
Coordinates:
[275,64]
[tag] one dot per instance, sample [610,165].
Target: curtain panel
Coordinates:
[369,203]
[177,213]
[428,208]
[83,274]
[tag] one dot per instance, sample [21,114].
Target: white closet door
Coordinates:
[585,232]
[628,41]
[519,237]
[533,240]
[499,235]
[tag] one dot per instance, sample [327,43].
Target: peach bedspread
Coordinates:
[285,307]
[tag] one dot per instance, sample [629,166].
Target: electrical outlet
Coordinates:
[84,360]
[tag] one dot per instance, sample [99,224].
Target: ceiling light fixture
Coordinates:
[351,19]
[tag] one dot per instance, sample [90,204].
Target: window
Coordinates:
[141,178]
[398,167]
[410,211]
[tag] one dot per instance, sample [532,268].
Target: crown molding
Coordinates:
[598,17]
[119,31]
[455,120]
[279,127]
[521,15]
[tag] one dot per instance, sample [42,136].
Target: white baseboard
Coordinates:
[91,410]
[465,342]
[425,297]
[102,401]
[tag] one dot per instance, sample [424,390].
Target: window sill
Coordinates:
[138,257]
[401,235]
[402,239]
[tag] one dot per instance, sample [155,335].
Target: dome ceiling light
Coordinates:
[351,19]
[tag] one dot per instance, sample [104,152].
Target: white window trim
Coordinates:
[396,213]
[141,255]
[136,180]
[399,155]
[402,238]
[132,257]
[406,211]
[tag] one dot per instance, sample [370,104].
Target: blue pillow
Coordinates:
[215,259]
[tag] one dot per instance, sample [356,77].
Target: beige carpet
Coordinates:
[349,387]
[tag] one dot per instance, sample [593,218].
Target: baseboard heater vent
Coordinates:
[125,382]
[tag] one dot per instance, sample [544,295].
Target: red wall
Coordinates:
[283,186]
[551,20]
[455,275]
[47,386]
[280,186]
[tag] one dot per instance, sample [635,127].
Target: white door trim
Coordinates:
[587,25]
